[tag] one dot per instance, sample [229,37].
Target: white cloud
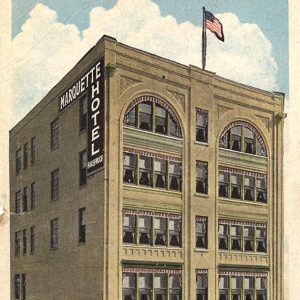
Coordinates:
[46,49]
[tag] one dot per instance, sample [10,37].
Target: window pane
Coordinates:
[201,126]
[160,226]
[145,171]
[129,229]
[175,233]
[201,177]
[145,286]
[236,184]
[160,168]
[160,120]
[129,168]
[223,184]
[129,286]
[145,230]
[145,116]
[175,175]
[160,286]
[235,138]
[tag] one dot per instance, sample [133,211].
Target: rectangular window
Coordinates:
[249,141]
[236,138]
[18,202]
[145,232]
[261,190]
[160,231]
[129,225]
[223,237]
[82,225]
[54,233]
[223,184]
[201,126]
[261,239]
[129,286]
[223,288]
[175,232]
[18,243]
[32,196]
[202,286]
[175,175]
[145,164]
[236,186]
[145,286]
[24,241]
[160,120]
[160,173]
[25,156]
[18,286]
[54,134]
[241,286]
[18,161]
[32,239]
[261,288]
[243,237]
[23,284]
[33,150]
[55,184]
[175,287]
[242,185]
[25,199]
[83,114]
[249,188]
[236,237]
[201,177]
[82,167]
[151,230]
[129,168]
[145,116]
[201,232]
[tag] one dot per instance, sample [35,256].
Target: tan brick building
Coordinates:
[140,178]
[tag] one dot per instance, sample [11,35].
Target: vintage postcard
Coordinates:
[149,150]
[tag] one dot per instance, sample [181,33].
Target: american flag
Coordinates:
[214,25]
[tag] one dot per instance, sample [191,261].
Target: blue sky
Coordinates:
[270,16]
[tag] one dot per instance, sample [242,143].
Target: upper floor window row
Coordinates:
[242,185]
[153,170]
[154,115]
[243,137]
[151,228]
[25,155]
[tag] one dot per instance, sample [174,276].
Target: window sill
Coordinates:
[81,244]
[240,202]
[152,247]
[201,250]
[201,143]
[243,252]
[201,195]
[145,188]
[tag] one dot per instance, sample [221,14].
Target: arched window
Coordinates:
[243,137]
[154,115]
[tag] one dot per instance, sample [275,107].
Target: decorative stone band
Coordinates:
[201,271]
[151,154]
[151,270]
[140,212]
[201,110]
[251,128]
[201,219]
[154,100]
[242,223]
[242,172]
[245,274]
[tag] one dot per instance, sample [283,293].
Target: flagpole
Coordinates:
[203,41]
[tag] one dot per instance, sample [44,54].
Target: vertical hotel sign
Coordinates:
[92,83]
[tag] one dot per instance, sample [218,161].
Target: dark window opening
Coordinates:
[18,202]
[32,239]
[54,234]
[54,184]
[18,243]
[202,126]
[33,150]
[25,156]
[201,177]
[129,168]
[24,241]
[32,196]
[18,161]
[82,225]
[54,134]
[25,199]
[201,234]
[83,114]
[82,167]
